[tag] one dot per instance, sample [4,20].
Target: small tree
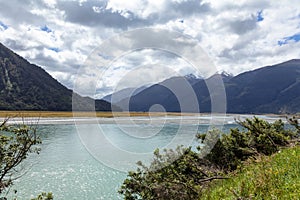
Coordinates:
[16,143]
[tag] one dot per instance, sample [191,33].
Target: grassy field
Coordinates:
[274,177]
[4,114]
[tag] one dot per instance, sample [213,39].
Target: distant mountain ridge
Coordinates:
[25,86]
[271,89]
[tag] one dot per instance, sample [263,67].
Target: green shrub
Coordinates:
[187,176]
[165,179]
[256,137]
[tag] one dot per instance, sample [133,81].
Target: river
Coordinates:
[70,169]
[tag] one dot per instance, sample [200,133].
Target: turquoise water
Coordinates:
[65,167]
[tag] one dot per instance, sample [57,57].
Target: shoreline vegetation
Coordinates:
[258,161]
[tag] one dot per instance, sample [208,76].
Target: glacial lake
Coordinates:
[68,169]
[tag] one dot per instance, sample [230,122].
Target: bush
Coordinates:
[257,137]
[185,177]
[164,180]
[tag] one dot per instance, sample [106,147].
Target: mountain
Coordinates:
[128,92]
[166,93]
[192,79]
[25,86]
[271,89]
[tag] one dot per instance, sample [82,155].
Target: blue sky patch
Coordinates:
[55,49]
[4,26]
[106,57]
[259,16]
[46,29]
[285,40]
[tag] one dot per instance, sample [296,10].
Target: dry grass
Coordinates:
[5,114]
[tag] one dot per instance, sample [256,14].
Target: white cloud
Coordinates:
[141,8]
[50,3]
[96,9]
[137,68]
[228,31]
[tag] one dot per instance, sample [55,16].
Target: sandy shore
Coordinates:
[33,117]
[41,114]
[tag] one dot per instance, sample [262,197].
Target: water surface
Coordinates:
[65,167]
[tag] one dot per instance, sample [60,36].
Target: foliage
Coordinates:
[169,179]
[257,137]
[16,143]
[187,176]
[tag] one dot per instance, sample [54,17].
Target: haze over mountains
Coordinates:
[25,86]
[122,94]
[272,89]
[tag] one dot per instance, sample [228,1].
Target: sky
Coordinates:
[62,36]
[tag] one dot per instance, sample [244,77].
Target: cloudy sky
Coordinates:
[60,35]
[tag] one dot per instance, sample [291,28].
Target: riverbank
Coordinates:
[4,114]
[266,177]
[49,114]
[68,117]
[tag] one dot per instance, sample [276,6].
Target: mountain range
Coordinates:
[25,86]
[270,89]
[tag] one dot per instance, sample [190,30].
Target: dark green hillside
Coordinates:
[25,86]
[272,89]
